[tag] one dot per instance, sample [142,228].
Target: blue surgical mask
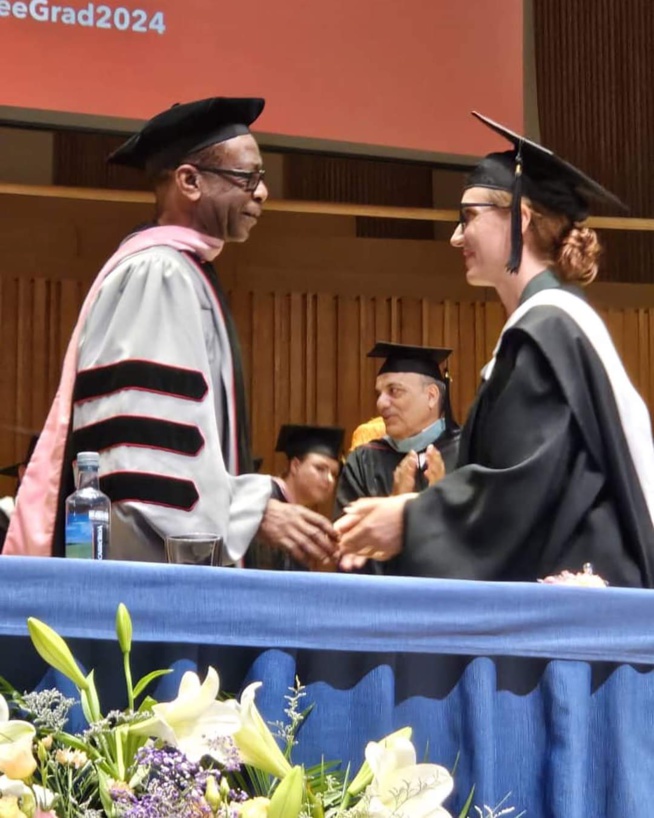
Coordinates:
[419,442]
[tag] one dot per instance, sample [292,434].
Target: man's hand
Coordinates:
[372,527]
[435,470]
[404,476]
[306,536]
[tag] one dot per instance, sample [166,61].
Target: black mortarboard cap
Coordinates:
[534,171]
[407,358]
[170,136]
[12,471]
[296,440]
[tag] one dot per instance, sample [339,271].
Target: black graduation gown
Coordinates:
[545,481]
[368,470]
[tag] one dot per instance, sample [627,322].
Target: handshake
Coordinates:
[370,528]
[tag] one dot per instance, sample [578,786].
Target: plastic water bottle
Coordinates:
[88,513]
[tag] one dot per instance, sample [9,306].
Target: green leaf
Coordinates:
[145,681]
[90,701]
[466,807]
[104,789]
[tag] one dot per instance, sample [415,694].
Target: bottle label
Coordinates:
[79,537]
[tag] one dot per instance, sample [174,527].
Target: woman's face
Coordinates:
[484,235]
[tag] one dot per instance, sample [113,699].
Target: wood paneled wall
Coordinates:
[304,352]
[364,181]
[594,70]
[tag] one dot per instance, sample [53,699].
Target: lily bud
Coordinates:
[124,628]
[52,648]
[212,794]
[287,799]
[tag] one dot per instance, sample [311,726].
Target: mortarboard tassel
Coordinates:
[450,424]
[516,216]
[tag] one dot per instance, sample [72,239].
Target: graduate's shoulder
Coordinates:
[561,314]
[368,450]
[557,327]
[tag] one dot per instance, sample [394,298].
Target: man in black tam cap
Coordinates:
[313,462]
[153,377]
[556,462]
[421,440]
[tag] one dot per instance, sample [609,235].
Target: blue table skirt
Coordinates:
[544,692]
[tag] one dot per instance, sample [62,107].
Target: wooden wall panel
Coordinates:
[364,181]
[594,68]
[319,343]
[304,353]
[36,320]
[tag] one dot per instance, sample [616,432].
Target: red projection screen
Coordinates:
[382,77]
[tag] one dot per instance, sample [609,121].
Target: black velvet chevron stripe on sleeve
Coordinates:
[132,430]
[139,487]
[147,375]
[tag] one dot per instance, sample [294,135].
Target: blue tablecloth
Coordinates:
[541,691]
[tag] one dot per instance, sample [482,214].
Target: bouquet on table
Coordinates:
[193,757]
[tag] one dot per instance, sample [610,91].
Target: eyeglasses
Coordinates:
[250,178]
[464,216]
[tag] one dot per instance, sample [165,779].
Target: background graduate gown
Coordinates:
[368,470]
[556,460]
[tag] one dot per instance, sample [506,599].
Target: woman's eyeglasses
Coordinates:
[465,215]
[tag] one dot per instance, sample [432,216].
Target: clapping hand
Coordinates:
[435,470]
[404,476]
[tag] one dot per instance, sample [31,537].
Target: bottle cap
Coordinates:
[88,460]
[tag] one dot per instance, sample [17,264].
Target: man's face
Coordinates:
[407,403]
[314,477]
[226,209]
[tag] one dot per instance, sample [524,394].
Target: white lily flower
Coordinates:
[18,789]
[16,758]
[194,722]
[402,788]
[256,744]
[8,786]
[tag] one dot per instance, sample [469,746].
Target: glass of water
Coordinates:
[194,549]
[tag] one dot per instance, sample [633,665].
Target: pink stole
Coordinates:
[31,531]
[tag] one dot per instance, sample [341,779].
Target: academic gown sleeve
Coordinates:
[161,434]
[529,500]
[352,482]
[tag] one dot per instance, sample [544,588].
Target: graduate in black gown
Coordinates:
[313,463]
[421,440]
[556,463]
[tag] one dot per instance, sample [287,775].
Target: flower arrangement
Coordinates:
[196,756]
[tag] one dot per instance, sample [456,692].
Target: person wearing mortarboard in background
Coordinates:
[420,439]
[153,377]
[313,460]
[556,463]
[8,503]
[421,435]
